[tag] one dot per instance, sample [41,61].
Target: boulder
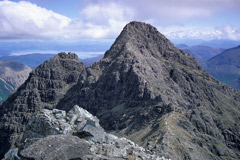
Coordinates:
[61,147]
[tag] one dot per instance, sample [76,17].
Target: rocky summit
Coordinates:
[72,135]
[147,90]
[44,87]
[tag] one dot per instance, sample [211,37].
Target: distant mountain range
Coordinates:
[235,84]
[217,43]
[226,67]
[201,52]
[12,75]
[221,43]
[30,60]
[91,60]
[23,47]
[35,59]
[206,52]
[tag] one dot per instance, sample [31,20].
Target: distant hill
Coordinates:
[91,60]
[226,66]
[80,46]
[12,75]
[201,52]
[206,52]
[31,60]
[182,46]
[35,59]
[216,43]
[221,43]
[187,49]
[4,52]
[5,90]
[235,83]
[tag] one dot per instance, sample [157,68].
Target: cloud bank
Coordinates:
[195,32]
[168,12]
[24,20]
[105,19]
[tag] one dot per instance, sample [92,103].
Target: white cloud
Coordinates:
[24,20]
[103,14]
[105,19]
[230,33]
[196,32]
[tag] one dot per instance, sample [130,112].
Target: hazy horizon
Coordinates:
[92,26]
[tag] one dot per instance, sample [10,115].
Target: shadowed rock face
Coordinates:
[153,93]
[158,96]
[45,86]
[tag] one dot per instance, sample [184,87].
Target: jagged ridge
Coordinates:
[44,87]
[157,95]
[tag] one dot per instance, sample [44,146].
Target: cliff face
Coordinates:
[12,75]
[44,87]
[157,95]
[145,89]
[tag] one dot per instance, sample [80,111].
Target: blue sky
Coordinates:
[100,20]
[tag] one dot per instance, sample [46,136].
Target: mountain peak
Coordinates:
[134,26]
[141,31]
[137,37]
[68,55]
[139,41]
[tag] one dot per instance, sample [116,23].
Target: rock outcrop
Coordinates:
[53,134]
[45,86]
